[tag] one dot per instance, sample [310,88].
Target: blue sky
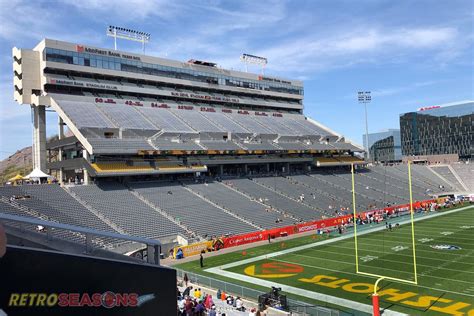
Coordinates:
[408,53]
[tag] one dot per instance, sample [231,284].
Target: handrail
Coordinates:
[152,244]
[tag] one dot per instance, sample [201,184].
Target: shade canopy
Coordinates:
[18,177]
[37,174]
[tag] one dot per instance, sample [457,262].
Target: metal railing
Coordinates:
[89,237]
[295,307]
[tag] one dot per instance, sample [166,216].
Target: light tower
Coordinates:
[128,34]
[365,97]
[252,59]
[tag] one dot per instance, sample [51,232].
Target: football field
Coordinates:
[323,269]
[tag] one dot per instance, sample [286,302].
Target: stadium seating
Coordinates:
[126,117]
[118,204]
[197,121]
[86,114]
[466,173]
[446,173]
[422,176]
[52,203]
[165,120]
[197,214]
[273,198]
[225,122]
[233,206]
[312,198]
[158,127]
[238,204]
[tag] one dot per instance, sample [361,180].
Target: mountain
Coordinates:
[20,162]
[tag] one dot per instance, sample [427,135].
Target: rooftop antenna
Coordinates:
[128,34]
[252,59]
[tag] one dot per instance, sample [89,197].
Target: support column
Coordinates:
[221,170]
[85,173]
[246,169]
[288,168]
[60,127]
[268,167]
[60,152]
[39,137]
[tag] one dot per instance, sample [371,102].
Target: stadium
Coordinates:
[158,162]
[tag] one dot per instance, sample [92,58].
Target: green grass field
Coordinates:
[445,276]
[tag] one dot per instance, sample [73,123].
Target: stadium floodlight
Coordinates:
[252,59]
[365,97]
[128,34]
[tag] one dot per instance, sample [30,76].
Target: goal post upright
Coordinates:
[355,218]
[375,296]
[412,214]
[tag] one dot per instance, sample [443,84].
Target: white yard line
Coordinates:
[380,240]
[401,255]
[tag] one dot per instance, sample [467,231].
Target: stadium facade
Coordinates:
[439,130]
[384,146]
[133,114]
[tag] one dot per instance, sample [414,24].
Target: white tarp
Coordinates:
[37,174]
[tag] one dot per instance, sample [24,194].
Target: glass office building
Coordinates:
[438,130]
[384,146]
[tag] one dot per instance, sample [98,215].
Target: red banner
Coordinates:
[283,231]
[301,228]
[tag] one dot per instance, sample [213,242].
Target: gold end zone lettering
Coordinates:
[359,288]
[395,295]
[452,309]
[317,280]
[426,301]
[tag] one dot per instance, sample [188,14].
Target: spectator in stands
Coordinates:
[239,305]
[187,291]
[186,280]
[212,311]
[3,241]
[181,305]
[208,302]
[188,307]
[230,300]
[199,309]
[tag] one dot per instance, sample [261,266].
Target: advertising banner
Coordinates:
[193,249]
[284,231]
